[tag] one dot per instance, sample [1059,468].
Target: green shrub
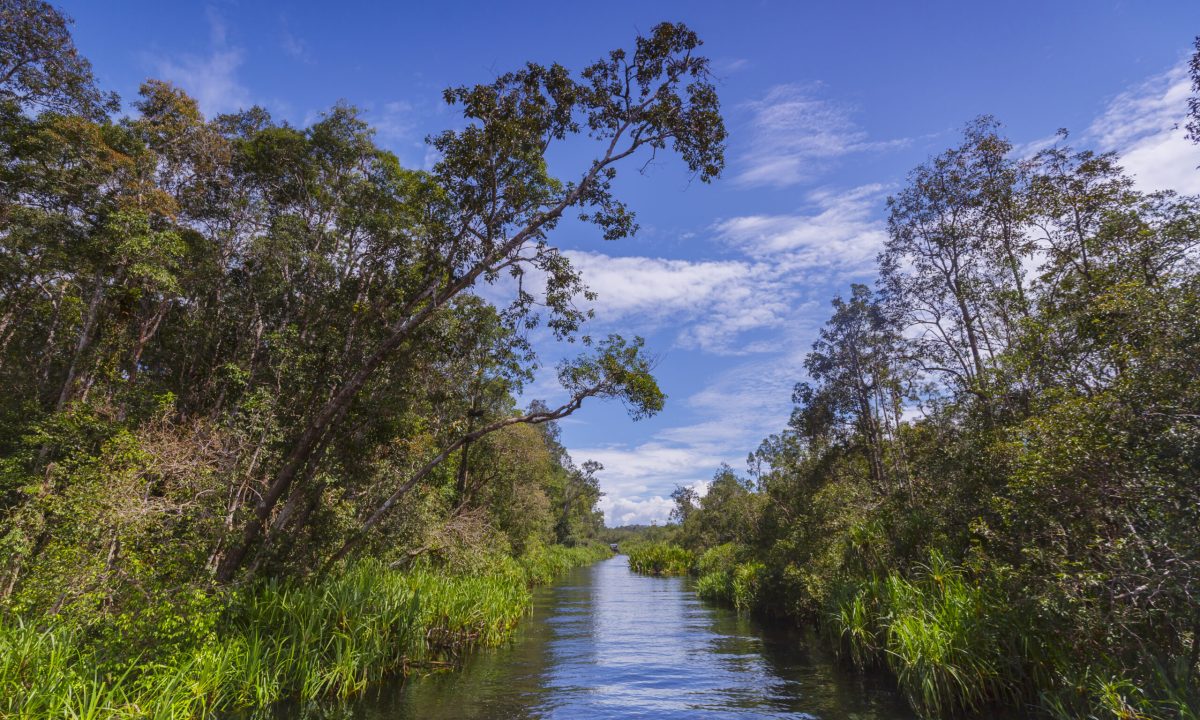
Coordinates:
[332,637]
[944,637]
[660,559]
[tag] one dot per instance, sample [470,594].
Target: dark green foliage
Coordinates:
[660,559]
[1032,536]
[239,355]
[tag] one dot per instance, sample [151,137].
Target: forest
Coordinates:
[989,486]
[263,434]
[259,434]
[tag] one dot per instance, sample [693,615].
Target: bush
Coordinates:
[945,638]
[333,637]
[660,559]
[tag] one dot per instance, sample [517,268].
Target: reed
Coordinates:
[940,634]
[660,559]
[728,574]
[543,563]
[333,638]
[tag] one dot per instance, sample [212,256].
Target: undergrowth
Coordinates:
[329,638]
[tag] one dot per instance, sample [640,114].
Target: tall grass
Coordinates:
[542,563]
[959,647]
[660,559]
[728,575]
[329,638]
[942,636]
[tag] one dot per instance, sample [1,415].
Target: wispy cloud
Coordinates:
[729,66]
[393,121]
[795,133]
[1144,126]
[292,44]
[212,78]
[737,409]
[713,302]
[843,232]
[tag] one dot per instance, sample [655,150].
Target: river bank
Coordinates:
[604,642]
[954,643]
[330,638]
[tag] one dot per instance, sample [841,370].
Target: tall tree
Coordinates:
[39,66]
[495,203]
[953,262]
[860,379]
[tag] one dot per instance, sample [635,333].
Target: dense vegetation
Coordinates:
[259,434]
[328,639]
[659,558]
[990,483]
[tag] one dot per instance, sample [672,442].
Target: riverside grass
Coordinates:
[660,559]
[957,646]
[331,638]
[948,643]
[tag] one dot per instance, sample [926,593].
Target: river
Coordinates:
[606,643]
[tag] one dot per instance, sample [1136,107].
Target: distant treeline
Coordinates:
[991,482]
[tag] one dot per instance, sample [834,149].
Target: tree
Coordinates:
[686,501]
[952,264]
[861,382]
[40,67]
[295,314]
[618,370]
[492,203]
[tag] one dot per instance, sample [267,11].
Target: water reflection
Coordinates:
[606,643]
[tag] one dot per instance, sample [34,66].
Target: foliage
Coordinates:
[246,361]
[660,559]
[988,482]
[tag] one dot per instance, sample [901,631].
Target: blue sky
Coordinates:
[828,106]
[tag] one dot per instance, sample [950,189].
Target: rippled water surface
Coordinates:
[606,643]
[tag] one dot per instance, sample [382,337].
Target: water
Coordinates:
[606,643]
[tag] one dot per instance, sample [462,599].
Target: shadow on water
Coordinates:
[606,643]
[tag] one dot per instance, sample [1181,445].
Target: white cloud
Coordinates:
[649,467]
[1144,125]
[212,79]
[844,234]
[635,511]
[394,121]
[717,303]
[638,511]
[712,301]
[795,134]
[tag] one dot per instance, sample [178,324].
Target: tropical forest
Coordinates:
[362,411]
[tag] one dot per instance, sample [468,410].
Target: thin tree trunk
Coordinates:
[81,345]
[382,511]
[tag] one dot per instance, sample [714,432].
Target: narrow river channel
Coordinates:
[607,643]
